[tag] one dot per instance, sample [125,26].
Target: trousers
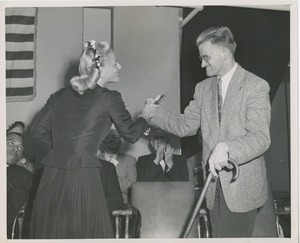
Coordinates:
[227,224]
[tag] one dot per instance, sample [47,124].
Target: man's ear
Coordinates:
[227,53]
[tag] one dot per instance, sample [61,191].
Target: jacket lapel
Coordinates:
[231,97]
[212,109]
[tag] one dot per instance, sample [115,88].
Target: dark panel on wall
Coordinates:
[263,47]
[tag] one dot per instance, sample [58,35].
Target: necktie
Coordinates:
[220,99]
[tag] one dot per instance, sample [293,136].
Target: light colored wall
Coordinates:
[58,44]
[146,42]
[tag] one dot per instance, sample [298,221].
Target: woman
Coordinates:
[70,201]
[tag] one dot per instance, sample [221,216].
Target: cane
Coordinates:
[202,195]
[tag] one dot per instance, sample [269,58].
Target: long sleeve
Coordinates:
[147,170]
[41,126]
[256,139]
[18,186]
[128,129]
[179,171]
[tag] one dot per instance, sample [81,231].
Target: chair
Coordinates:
[127,223]
[165,208]
[18,224]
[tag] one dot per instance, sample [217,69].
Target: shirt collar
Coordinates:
[109,156]
[227,77]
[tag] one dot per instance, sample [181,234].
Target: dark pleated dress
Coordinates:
[70,201]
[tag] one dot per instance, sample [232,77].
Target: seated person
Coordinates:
[162,164]
[27,163]
[195,165]
[125,164]
[18,178]
[111,186]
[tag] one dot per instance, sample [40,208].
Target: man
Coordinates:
[111,186]
[125,164]
[234,118]
[162,164]
[18,178]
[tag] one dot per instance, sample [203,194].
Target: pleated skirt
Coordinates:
[70,204]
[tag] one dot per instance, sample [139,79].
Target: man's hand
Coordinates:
[169,156]
[159,154]
[218,158]
[150,108]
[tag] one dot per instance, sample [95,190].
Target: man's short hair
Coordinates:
[219,36]
[17,127]
[159,133]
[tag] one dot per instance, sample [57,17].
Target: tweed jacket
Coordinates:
[244,128]
[126,171]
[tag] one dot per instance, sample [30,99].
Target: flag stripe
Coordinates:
[19,91]
[17,82]
[20,64]
[19,37]
[15,46]
[27,55]
[18,19]
[17,73]
[19,28]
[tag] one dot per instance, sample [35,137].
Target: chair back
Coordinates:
[165,208]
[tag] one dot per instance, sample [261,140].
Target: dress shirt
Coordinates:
[111,158]
[163,165]
[226,80]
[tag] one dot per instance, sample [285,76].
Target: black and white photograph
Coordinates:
[152,121]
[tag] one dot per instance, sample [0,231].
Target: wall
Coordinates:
[59,41]
[146,43]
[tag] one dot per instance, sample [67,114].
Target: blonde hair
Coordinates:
[92,57]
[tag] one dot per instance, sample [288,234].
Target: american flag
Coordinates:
[20,35]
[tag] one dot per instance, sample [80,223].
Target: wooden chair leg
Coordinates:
[117,225]
[126,226]
[117,214]
[203,215]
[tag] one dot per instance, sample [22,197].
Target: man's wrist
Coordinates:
[145,117]
[225,147]
[156,162]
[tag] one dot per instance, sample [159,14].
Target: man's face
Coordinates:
[157,140]
[14,148]
[212,59]
[112,142]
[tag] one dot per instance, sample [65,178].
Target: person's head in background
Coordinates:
[98,65]
[158,138]
[14,142]
[216,48]
[112,142]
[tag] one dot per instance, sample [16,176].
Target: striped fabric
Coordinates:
[20,33]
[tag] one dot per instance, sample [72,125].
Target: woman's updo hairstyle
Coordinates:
[91,59]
